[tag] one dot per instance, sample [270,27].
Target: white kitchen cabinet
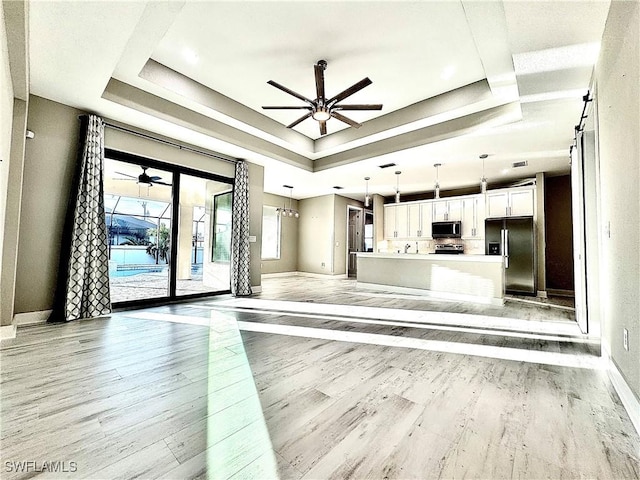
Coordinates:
[447,210]
[396,221]
[510,203]
[426,214]
[419,215]
[473,216]
[521,202]
[415,221]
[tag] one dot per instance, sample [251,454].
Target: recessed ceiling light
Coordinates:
[190,55]
[448,72]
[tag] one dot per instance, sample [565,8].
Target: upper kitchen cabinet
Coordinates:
[512,202]
[473,215]
[447,210]
[419,220]
[396,221]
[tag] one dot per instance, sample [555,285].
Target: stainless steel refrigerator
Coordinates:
[514,239]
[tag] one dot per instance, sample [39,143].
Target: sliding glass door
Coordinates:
[204,236]
[138,217]
[155,212]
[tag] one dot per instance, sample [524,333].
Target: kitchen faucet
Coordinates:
[407,247]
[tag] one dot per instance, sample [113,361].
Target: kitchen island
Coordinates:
[476,278]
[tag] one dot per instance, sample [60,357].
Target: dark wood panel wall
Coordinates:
[558,233]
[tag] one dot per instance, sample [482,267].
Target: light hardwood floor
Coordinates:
[344,384]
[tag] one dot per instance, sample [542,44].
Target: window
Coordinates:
[270,233]
[222,227]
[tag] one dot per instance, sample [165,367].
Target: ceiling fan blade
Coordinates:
[290,92]
[125,175]
[349,91]
[304,117]
[346,120]
[155,178]
[376,106]
[323,128]
[287,108]
[161,183]
[319,71]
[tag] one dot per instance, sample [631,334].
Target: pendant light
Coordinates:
[288,212]
[483,180]
[367,198]
[437,186]
[398,172]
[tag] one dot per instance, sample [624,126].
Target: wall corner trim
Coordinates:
[628,399]
[31,318]
[7,332]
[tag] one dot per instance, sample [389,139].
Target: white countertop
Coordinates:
[443,257]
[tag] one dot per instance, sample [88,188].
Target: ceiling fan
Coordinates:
[323,108]
[144,178]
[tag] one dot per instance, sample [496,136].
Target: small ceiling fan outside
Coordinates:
[144,178]
[322,109]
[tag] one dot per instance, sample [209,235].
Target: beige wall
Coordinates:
[49,164]
[315,235]
[618,94]
[50,160]
[6,122]
[323,234]
[256,192]
[288,261]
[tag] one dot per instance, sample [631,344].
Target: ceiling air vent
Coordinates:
[524,163]
[387,165]
[338,188]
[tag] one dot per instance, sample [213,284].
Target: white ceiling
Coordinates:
[197,71]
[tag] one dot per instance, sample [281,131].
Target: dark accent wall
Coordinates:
[559,233]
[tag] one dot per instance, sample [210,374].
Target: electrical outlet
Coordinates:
[322,265]
[625,339]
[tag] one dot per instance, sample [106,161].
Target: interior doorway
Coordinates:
[355,238]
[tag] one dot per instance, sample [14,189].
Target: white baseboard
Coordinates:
[629,400]
[321,275]
[31,318]
[303,274]
[279,274]
[8,332]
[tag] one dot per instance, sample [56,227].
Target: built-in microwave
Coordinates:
[446,229]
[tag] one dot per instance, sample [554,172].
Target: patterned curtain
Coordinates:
[83,288]
[240,255]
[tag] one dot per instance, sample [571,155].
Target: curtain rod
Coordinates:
[578,128]
[167,142]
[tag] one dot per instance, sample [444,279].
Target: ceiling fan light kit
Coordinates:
[144,178]
[322,109]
